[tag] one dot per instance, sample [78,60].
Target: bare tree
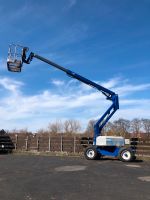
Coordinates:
[41,131]
[90,128]
[108,129]
[146,126]
[72,126]
[122,127]
[55,127]
[136,126]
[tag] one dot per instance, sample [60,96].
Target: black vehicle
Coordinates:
[6,144]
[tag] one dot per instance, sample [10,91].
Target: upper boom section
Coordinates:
[106,92]
[16,59]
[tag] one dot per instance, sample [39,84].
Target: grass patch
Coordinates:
[47,153]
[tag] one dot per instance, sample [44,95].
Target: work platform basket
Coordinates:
[14,59]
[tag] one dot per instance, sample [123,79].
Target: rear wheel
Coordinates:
[126,155]
[90,153]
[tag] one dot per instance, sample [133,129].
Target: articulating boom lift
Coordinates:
[102,145]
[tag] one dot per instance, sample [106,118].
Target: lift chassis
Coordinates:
[102,145]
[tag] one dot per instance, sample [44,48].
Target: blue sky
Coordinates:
[105,41]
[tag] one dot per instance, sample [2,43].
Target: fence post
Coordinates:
[16,141]
[49,143]
[74,144]
[37,144]
[61,143]
[26,143]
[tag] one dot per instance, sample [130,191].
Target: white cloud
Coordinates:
[69,4]
[10,84]
[130,113]
[128,88]
[57,82]
[74,101]
[111,83]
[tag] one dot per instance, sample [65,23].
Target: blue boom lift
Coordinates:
[102,145]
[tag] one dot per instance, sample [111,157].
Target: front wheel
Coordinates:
[90,153]
[126,155]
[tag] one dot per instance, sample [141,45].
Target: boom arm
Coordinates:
[108,93]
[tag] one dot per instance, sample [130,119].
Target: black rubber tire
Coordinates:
[126,155]
[90,153]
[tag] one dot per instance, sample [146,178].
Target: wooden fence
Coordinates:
[48,143]
[60,143]
[142,147]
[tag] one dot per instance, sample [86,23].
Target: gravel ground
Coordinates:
[28,177]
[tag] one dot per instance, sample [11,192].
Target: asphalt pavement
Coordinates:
[29,177]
